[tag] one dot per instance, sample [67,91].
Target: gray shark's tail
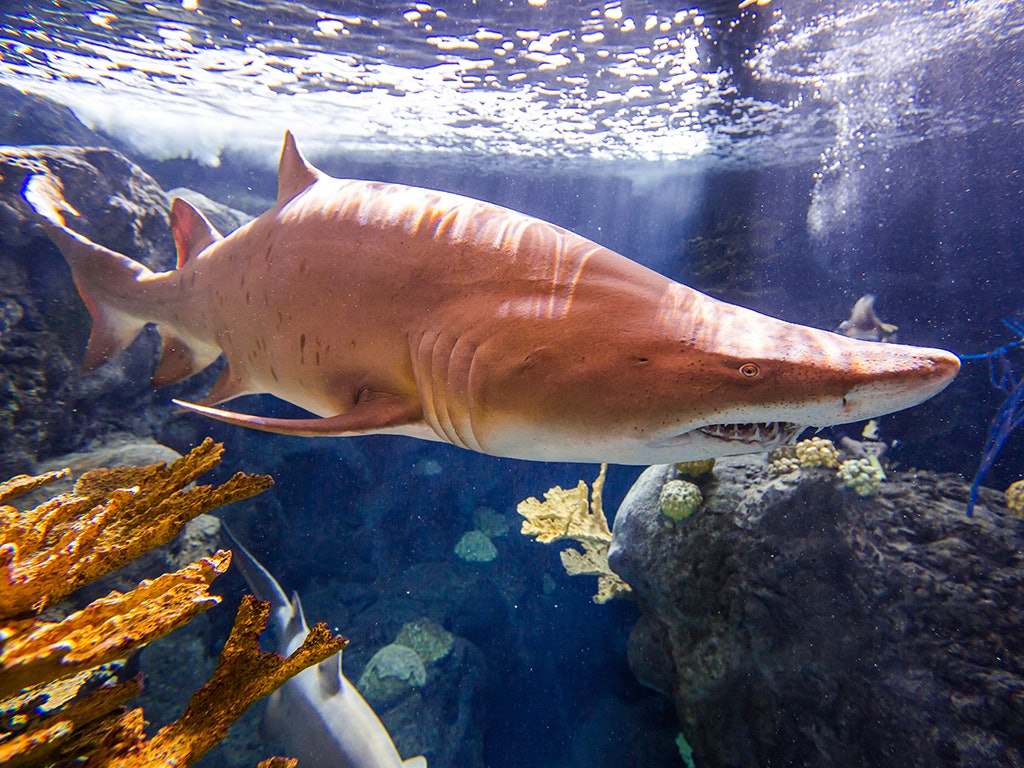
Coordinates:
[286,616]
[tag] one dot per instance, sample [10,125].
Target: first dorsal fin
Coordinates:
[192,231]
[329,674]
[294,174]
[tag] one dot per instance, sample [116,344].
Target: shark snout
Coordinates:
[895,377]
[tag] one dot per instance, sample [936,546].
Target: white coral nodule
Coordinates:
[817,452]
[679,499]
[864,475]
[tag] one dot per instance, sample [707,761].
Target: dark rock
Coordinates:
[30,119]
[47,404]
[794,623]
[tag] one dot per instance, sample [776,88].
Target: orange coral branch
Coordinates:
[112,517]
[56,732]
[108,628]
[22,484]
[244,675]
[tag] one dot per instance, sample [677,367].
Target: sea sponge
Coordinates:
[679,499]
[817,452]
[1015,498]
[475,547]
[864,475]
[392,671]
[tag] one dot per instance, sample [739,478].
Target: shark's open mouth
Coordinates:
[766,433]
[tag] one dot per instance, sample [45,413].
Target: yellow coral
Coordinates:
[567,514]
[244,675]
[782,461]
[697,468]
[108,628]
[679,499]
[112,517]
[1015,498]
[817,452]
[865,475]
[51,714]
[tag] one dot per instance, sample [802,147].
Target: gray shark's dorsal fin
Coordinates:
[264,586]
[298,620]
[192,230]
[415,762]
[294,173]
[328,672]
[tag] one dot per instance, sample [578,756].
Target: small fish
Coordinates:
[387,309]
[318,714]
[864,324]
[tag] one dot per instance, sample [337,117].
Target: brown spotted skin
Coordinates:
[425,313]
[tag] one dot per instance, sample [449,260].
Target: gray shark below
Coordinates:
[318,715]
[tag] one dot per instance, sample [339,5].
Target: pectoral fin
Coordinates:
[370,415]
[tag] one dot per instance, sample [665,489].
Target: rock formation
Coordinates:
[796,623]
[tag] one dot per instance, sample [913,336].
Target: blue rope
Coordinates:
[1010,414]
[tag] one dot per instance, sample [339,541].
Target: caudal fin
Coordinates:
[120,293]
[106,280]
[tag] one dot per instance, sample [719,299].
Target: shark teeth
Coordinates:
[764,433]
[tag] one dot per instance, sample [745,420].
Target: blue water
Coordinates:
[789,157]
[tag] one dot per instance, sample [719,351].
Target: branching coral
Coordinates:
[36,651]
[61,714]
[49,715]
[567,514]
[112,517]
[244,675]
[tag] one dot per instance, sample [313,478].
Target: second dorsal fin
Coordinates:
[294,173]
[192,231]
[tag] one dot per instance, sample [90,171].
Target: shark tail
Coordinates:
[118,291]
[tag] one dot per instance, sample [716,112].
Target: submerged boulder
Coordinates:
[794,622]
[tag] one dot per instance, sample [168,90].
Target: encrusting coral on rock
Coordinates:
[863,473]
[1015,498]
[679,499]
[567,514]
[64,701]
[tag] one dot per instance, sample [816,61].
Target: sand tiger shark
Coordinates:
[390,309]
[318,714]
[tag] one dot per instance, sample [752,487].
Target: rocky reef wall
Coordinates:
[794,622]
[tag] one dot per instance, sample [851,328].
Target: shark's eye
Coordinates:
[750,370]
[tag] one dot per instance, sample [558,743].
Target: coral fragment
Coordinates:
[567,514]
